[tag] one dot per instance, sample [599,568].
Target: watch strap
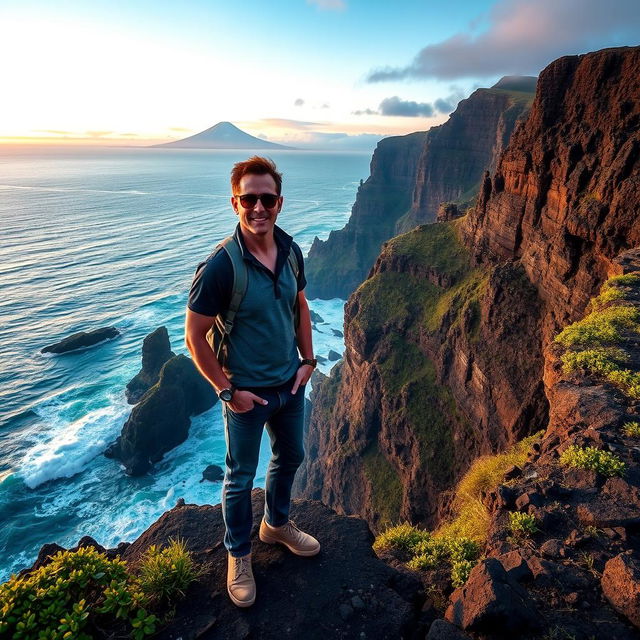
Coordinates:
[312,362]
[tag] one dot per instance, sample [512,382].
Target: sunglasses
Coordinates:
[250,200]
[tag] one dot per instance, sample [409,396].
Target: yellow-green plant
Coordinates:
[403,538]
[631,429]
[62,600]
[165,574]
[595,343]
[591,458]
[521,525]
[484,475]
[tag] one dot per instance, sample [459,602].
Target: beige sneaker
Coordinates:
[240,583]
[298,542]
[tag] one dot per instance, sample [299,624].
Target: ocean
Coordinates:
[111,237]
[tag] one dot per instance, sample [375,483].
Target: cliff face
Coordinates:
[336,266]
[410,176]
[458,153]
[445,340]
[564,198]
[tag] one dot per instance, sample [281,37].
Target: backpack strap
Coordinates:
[224,320]
[295,267]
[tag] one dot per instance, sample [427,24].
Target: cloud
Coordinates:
[98,134]
[394,106]
[289,124]
[408,108]
[522,37]
[325,105]
[329,5]
[180,129]
[55,132]
[299,102]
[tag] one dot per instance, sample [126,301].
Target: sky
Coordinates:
[332,74]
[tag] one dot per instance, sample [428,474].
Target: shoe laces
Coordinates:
[292,529]
[241,567]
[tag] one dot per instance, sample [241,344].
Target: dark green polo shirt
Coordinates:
[261,350]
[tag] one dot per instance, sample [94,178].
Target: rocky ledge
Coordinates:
[343,592]
[82,340]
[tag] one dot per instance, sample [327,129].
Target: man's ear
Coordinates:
[234,204]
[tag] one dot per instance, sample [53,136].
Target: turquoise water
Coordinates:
[92,238]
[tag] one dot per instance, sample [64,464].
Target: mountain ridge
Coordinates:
[223,135]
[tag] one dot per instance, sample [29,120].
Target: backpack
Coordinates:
[223,324]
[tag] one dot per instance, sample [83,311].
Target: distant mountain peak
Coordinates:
[223,135]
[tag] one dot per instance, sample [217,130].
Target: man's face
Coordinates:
[257,220]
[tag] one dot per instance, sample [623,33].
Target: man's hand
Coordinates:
[302,377]
[244,401]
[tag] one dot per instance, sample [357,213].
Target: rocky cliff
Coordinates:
[336,266]
[410,176]
[445,341]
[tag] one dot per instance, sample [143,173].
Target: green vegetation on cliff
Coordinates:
[394,310]
[79,590]
[459,542]
[385,483]
[601,343]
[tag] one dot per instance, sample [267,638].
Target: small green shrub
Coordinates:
[604,462]
[631,429]
[460,553]
[63,600]
[404,538]
[522,525]
[165,574]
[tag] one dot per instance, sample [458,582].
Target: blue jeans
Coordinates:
[284,418]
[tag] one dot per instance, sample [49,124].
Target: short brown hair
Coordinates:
[256,165]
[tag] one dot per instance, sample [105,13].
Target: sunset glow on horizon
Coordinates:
[296,72]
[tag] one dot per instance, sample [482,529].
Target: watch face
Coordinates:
[226,395]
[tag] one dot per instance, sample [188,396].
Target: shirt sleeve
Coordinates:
[302,281]
[210,290]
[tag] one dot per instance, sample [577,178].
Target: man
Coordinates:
[259,378]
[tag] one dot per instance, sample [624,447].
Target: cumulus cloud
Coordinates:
[365,112]
[522,37]
[329,5]
[299,102]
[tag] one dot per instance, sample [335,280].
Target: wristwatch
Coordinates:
[227,394]
[312,362]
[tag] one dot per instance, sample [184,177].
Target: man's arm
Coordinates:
[305,344]
[195,335]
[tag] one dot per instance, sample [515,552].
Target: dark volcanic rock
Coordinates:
[333,355]
[621,585]
[82,340]
[213,473]
[308,594]
[491,601]
[156,350]
[161,419]
[443,630]
[316,318]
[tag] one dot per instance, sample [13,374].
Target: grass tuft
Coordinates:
[590,458]
[595,343]
[631,429]
[521,525]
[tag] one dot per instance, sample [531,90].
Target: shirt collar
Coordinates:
[282,238]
